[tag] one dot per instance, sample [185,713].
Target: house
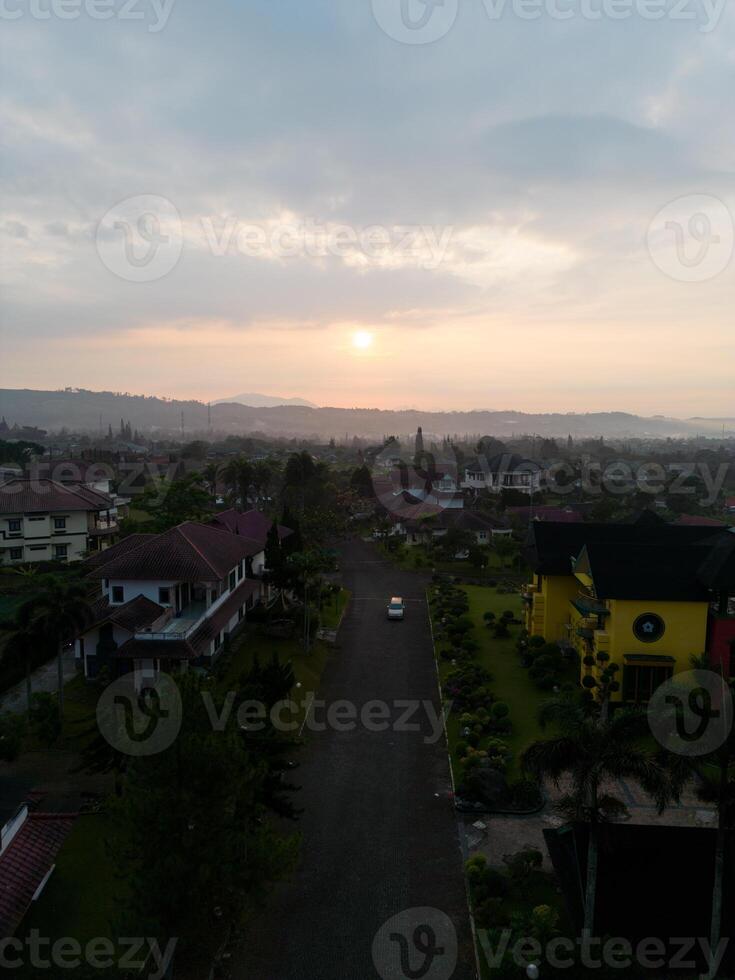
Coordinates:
[647,596]
[29,843]
[506,471]
[95,475]
[43,520]
[425,529]
[697,520]
[169,600]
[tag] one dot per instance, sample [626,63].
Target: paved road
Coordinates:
[44,678]
[376,839]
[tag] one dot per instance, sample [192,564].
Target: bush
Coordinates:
[522,865]
[499,711]
[525,795]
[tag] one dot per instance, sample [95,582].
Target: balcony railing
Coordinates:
[177,627]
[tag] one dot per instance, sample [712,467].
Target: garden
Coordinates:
[496,679]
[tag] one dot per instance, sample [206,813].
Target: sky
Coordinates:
[501,204]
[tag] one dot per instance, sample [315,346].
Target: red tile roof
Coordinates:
[133,616]
[695,520]
[189,552]
[115,550]
[26,862]
[253,524]
[42,496]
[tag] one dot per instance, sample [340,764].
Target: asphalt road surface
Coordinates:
[378,841]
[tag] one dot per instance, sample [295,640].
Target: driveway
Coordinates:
[380,837]
[44,678]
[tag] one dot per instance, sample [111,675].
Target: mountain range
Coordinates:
[93,411]
[254,400]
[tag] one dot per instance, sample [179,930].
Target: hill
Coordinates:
[93,411]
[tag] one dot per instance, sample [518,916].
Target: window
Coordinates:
[164,596]
[241,614]
[639,683]
[213,596]
[239,572]
[38,547]
[14,526]
[36,518]
[16,554]
[59,524]
[233,580]
[118,593]
[106,583]
[60,551]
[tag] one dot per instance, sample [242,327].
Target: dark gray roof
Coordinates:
[24,496]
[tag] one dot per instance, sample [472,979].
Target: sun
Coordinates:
[362,340]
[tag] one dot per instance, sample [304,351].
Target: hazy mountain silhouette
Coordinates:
[93,411]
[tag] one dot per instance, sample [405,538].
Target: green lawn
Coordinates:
[78,899]
[308,667]
[511,682]
[332,611]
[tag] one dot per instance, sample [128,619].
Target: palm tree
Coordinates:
[239,475]
[210,475]
[61,610]
[591,750]
[20,643]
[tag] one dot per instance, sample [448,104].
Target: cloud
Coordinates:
[542,150]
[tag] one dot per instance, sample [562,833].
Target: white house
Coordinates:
[168,600]
[42,520]
[506,471]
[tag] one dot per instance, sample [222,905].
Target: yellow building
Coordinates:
[630,595]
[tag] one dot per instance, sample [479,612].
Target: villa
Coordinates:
[647,597]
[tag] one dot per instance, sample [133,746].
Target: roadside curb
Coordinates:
[460,825]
